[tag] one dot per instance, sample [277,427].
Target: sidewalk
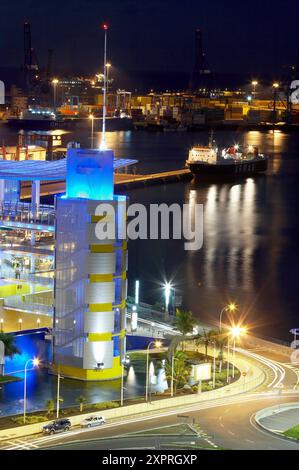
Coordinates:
[279,418]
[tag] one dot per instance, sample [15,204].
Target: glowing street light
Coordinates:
[235,332]
[230,308]
[35,362]
[167,292]
[55,82]
[275,86]
[158,345]
[91,117]
[254,83]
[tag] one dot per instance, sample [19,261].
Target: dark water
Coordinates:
[42,386]
[251,229]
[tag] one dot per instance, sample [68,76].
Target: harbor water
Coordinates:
[250,232]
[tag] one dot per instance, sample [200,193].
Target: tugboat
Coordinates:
[230,162]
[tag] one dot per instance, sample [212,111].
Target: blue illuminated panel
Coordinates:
[89,174]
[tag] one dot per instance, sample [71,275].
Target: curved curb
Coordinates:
[271,411]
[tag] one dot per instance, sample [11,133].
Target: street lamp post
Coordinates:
[137,289]
[108,65]
[254,83]
[158,345]
[227,366]
[228,308]
[214,364]
[103,141]
[172,375]
[58,393]
[167,292]
[275,88]
[55,82]
[35,363]
[91,117]
[235,332]
[122,386]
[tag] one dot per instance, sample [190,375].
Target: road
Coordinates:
[227,422]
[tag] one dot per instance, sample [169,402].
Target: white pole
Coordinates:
[147,371]
[92,132]
[122,386]
[234,355]
[58,393]
[227,369]
[137,287]
[214,366]
[54,97]
[172,374]
[220,318]
[107,78]
[25,391]
[103,142]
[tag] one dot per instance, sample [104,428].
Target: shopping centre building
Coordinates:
[55,272]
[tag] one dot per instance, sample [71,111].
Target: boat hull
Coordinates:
[234,170]
[36,124]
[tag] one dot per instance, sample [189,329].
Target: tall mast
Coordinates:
[103,141]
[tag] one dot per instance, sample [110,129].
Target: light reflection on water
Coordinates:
[42,386]
[251,228]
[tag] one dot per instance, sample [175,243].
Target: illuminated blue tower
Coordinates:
[91,280]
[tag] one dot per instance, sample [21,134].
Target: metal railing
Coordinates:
[38,305]
[25,212]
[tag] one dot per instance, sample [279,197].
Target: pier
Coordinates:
[121,181]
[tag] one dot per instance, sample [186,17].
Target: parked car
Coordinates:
[60,425]
[93,421]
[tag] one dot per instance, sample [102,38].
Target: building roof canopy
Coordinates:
[33,170]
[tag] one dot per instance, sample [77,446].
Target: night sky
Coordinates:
[251,37]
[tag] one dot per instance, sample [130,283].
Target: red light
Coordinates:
[105,26]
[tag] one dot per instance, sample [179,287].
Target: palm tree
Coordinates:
[50,405]
[209,337]
[181,370]
[184,321]
[10,348]
[220,341]
[81,399]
